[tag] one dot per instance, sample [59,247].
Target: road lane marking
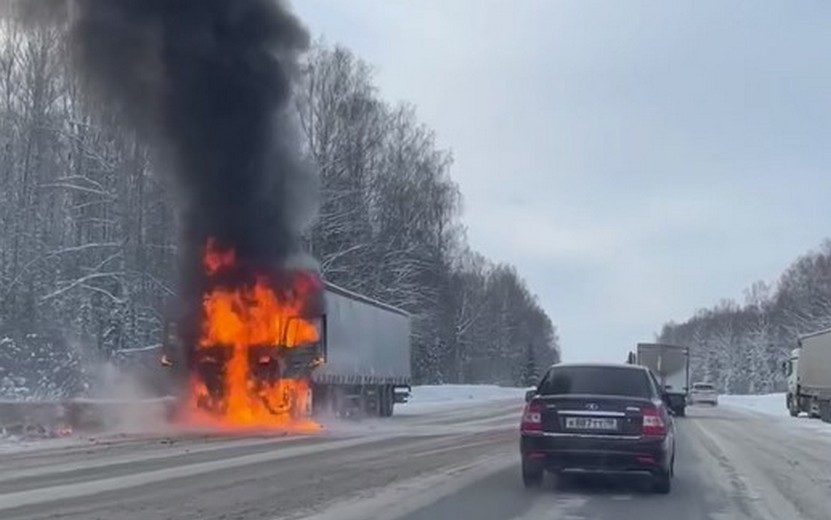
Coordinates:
[146,454]
[740,475]
[547,505]
[408,496]
[39,496]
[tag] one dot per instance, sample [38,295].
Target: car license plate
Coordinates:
[591,423]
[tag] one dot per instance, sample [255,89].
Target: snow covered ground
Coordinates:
[14,443]
[425,399]
[769,404]
[773,405]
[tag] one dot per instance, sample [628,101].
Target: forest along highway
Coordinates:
[448,462]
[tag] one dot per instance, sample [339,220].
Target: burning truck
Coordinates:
[274,350]
[209,86]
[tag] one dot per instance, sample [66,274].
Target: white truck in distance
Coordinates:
[671,365]
[809,376]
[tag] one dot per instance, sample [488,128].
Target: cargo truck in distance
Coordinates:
[359,365]
[809,376]
[671,365]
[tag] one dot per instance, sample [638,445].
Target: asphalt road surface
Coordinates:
[453,464]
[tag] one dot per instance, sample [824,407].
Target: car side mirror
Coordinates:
[665,399]
[529,395]
[785,368]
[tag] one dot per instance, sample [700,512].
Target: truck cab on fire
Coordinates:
[359,363]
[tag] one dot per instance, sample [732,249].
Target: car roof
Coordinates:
[599,365]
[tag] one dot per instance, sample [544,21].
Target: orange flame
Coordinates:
[63,430]
[244,327]
[215,259]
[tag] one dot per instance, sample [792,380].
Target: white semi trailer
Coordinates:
[366,350]
[809,376]
[671,365]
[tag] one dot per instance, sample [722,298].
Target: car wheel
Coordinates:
[558,478]
[532,475]
[662,483]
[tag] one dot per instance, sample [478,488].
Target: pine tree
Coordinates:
[530,377]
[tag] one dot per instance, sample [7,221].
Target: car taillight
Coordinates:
[653,424]
[532,418]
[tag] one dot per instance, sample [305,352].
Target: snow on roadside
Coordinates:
[773,405]
[16,443]
[425,399]
[768,404]
[405,497]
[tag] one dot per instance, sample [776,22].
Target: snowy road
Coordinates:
[445,463]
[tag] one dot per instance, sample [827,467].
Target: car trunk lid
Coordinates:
[593,415]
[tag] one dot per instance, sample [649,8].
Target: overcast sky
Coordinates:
[635,160]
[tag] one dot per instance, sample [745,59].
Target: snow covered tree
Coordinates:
[88,229]
[741,348]
[530,372]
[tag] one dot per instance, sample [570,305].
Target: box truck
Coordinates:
[809,376]
[671,365]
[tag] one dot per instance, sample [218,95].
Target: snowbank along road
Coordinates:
[448,461]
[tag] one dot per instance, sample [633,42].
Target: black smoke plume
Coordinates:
[208,83]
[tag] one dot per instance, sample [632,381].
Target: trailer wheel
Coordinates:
[391,400]
[825,411]
[382,401]
[387,401]
[373,398]
[793,410]
[338,402]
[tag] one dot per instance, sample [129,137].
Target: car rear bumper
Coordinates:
[563,452]
[703,400]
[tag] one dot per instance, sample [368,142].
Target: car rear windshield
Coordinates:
[702,386]
[596,381]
